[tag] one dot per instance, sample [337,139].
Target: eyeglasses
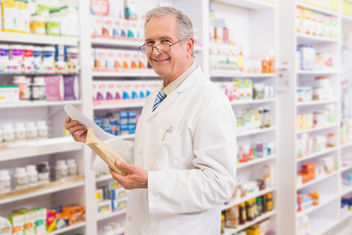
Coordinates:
[163,47]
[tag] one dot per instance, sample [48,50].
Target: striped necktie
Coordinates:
[159,98]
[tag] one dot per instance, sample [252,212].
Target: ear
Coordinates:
[189,46]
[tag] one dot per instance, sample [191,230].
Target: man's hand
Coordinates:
[77,130]
[136,177]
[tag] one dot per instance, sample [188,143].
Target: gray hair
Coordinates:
[185,27]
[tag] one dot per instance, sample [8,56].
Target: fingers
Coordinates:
[124,167]
[68,119]
[121,179]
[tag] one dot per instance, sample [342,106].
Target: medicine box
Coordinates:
[9,93]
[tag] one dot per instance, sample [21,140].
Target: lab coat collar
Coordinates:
[170,99]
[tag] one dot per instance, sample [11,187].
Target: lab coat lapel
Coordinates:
[171,98]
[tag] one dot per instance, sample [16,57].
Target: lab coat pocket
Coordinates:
[170,154]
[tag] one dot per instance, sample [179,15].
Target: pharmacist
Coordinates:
[181,166]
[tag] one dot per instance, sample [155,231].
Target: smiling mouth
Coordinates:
[160,60]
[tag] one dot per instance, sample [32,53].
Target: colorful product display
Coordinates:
[246,152]
[252,119]
[40,221]
[110,91]
[307,199]
[43,17]
[322,91]
[315,170]
[253,187]
[307,58]
[34,59]
[317,119]
[40,88]
[111,198]
[228,57]
[246,90]
[119,60]
[307,145]
[248,211]
[119,123]
[313,23]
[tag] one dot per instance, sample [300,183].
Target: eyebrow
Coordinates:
[161,38]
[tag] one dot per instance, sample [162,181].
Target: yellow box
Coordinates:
[332,5]
[347,7]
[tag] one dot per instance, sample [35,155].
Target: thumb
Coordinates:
[124,166]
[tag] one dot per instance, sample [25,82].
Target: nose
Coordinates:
[156,51]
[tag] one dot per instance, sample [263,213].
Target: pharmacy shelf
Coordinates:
[324,200]
[233,231]
[40,190]
[233,74]
[317,72]
[249,4]
[254,162]
[235,202]
[124,74]
[345,190]
[318,154]
[312,103]
[117,42]
[346,168]
[318,9]
[321,226]
[38,147]
[299,132]
[107,215]
[317,180]
[103,178]
[346,145]
[31,104]
[255,132]
[346,18]
[38,39]
[308,39]
[68,229]
[119,104]
[247,102]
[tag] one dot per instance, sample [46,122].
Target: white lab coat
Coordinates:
[188,146]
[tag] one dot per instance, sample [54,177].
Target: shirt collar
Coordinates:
[175,83]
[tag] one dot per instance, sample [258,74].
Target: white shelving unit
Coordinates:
[328,186]
[38,39]
[245,20]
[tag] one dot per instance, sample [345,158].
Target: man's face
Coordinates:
[169,65]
